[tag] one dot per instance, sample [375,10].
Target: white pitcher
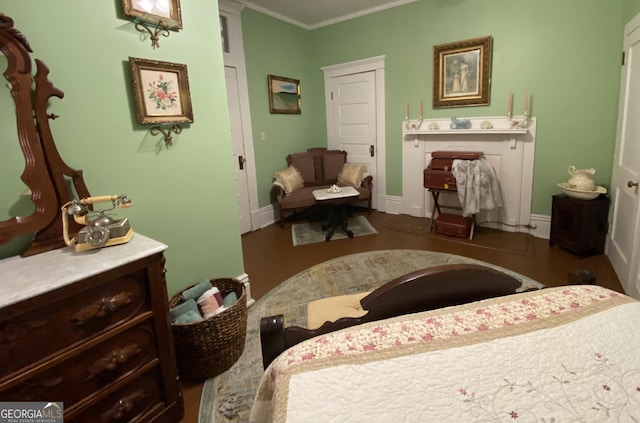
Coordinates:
[581,180]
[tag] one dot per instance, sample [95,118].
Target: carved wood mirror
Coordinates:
[33,190]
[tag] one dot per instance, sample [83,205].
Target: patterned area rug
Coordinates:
[308,233]
[229,396]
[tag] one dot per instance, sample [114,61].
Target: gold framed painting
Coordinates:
[462,73]
[165,13]
[161,91]
[284,95]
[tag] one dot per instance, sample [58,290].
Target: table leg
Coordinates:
[337,218]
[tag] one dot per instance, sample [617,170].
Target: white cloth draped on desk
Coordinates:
[478,186]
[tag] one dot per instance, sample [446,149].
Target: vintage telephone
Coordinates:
[102,231]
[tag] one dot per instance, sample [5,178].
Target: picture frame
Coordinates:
[161,91]
[462,73]
[159,13]
[284,95]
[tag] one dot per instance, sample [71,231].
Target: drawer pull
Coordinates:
[119,411]
[112,360]
[102,307]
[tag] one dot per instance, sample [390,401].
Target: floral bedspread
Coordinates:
[566,354]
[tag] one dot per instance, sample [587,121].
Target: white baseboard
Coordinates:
[263,217]
[542,225]
[392,204]
[244,278]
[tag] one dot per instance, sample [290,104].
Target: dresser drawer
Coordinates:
[31,335]
[89,371]
[134,402]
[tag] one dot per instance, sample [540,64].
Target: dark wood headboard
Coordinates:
[425,289]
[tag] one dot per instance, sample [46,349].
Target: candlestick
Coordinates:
[526,101]
[510,104]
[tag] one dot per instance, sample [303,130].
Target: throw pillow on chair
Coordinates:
[290,179]
[352,174]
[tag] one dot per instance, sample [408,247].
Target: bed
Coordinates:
[564,354]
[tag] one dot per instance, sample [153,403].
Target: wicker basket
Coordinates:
[207,348]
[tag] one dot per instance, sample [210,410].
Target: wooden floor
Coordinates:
[270,258]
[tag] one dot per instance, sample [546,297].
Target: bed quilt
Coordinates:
[565,354]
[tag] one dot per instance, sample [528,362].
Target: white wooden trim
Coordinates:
[252,5]
[372,64]
[235,58]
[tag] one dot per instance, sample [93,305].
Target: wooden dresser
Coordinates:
[91,330]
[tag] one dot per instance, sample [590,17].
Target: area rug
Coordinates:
[229,396]
[308,233]
[514,242]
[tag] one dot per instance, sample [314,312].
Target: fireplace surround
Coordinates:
[509,150]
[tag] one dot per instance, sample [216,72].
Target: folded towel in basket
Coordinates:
[189,305]
[190,316]
[196,291]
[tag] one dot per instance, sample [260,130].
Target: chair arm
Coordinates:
[278,190]
[367,181]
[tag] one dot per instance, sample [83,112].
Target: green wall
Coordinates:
[278,48]
[565,54]
[177,192]
[631,9]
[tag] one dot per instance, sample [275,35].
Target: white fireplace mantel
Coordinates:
[509,150]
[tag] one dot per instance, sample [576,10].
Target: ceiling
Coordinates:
[311,14]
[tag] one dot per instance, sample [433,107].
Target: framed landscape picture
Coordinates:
[161,91]
[284,95]
[462,73]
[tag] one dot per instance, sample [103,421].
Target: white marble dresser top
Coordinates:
[23,278]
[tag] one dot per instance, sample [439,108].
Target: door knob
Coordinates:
[632,184]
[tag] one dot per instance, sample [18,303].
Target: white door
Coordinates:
[623,246]
[237,146]
[354,120]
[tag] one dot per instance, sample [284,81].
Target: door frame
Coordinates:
[629,281]
[235,58]
[372,64]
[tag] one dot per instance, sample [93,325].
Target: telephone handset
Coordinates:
[101,231]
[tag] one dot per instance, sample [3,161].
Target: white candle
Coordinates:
[526,101]
[420,108]
[406,110]
[510,104]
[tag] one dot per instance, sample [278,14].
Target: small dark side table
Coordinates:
[337,202]
[579,226]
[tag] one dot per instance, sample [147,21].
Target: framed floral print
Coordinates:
[462,73]
[164,13]
[161,91]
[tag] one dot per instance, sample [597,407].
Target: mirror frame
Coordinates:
[45,172]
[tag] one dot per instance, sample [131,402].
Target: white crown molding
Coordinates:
[230,6]
[327,22]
